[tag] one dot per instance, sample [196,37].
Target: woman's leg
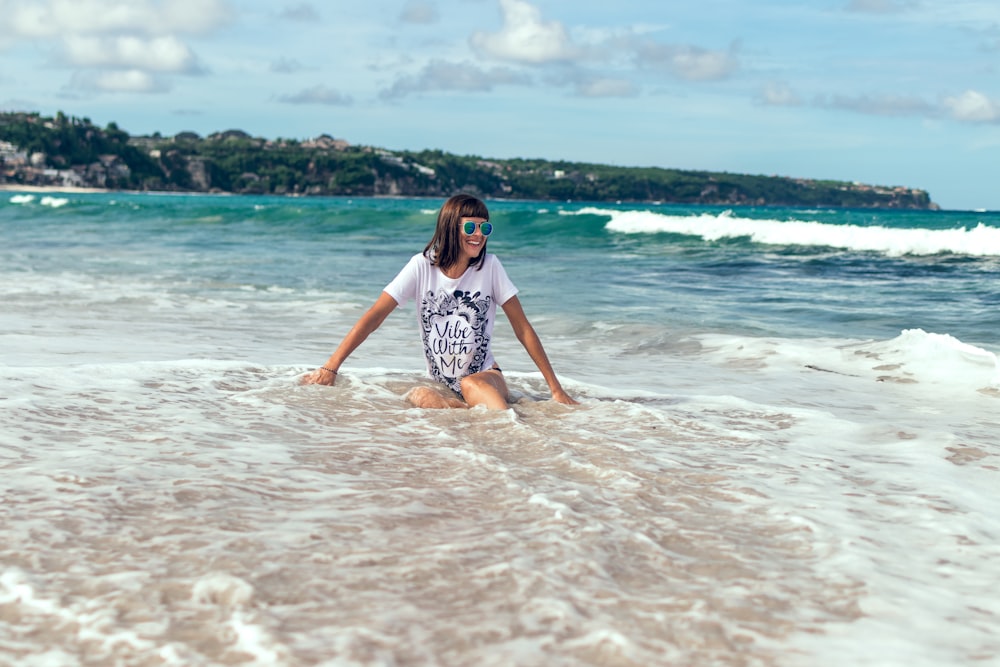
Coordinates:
[486,388]
[425,397]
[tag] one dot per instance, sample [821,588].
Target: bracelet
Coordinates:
[330,370]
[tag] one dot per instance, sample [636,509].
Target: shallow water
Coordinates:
[759,474]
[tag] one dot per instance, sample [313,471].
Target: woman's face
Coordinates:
[472,244]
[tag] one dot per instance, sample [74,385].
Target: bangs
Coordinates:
[473,208]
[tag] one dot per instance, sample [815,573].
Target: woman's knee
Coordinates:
[425,397]
[477,382]
[487,387]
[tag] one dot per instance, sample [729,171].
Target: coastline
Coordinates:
[325,166]
[38,189]
[74,189]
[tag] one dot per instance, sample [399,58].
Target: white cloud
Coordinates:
[962,14]
[691,63]
[115,45]
[971,106]
[158,54]
[285,65]
[525,37]
[879,105]
[118,81]
[439,75]
[974,107]
[696,64]
[417,11]
[193,16]
[318,95]
[879,6]
[778,94]
[56,18]
[606,87]
[304,13]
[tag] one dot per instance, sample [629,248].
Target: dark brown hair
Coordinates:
[443,249]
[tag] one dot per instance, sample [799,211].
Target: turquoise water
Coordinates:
[785,453]
[820,279]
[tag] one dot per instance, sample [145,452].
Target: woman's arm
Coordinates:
[529,339]
[364,327]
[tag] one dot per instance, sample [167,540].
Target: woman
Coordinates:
[457,286]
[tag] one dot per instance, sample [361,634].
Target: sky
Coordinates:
[885,92]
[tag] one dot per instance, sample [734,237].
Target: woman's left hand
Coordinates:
[319,376]
[560,396]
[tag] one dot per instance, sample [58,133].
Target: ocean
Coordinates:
[787,448]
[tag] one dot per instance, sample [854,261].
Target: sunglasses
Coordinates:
[469,228]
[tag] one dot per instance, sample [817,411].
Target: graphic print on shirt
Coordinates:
[454,332]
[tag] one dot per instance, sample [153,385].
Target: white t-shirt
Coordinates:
[456,316]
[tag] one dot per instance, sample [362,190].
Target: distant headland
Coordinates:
[73,153]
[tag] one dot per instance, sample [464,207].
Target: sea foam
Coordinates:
[980,241]
[914,357]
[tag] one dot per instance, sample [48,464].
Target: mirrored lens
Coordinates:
[470,228]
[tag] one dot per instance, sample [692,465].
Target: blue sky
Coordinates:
[889,92]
